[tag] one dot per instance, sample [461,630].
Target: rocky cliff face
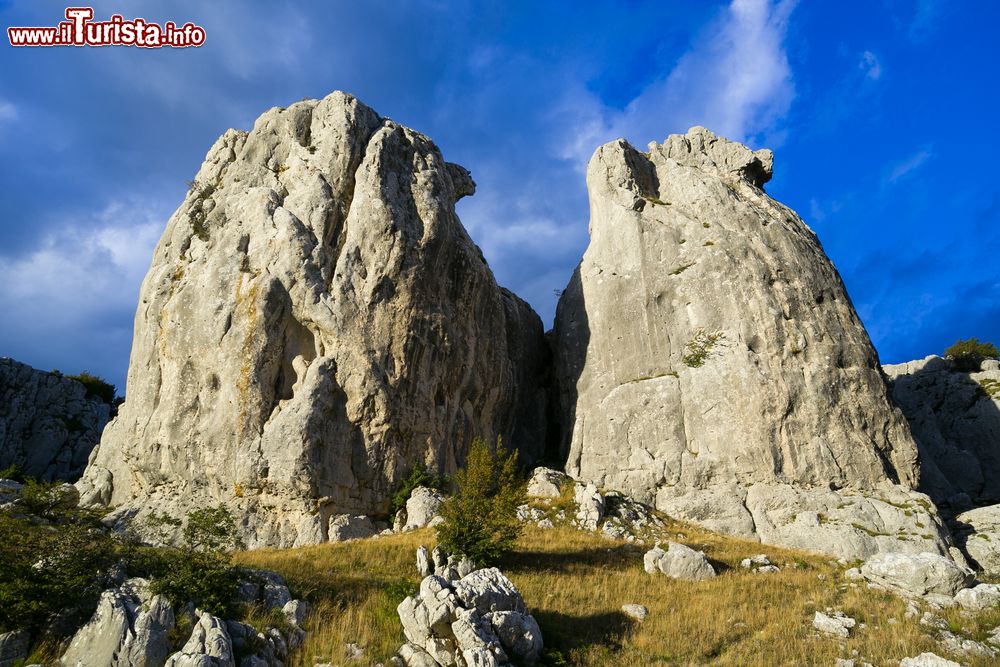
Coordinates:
[315,321]
[955,419]
[48,423]
[709,359]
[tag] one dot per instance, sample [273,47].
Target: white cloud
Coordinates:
[870,65]
[909,165]
[736,80]
[82,269]
[8,111]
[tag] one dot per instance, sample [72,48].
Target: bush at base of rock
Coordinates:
[480,519]
[480,620]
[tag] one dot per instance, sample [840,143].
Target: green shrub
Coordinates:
[96,387]
[969,355]
[51,570]
[418,476]
[13,472]
[480,519]
[700,348]
[198,570]
[53,501]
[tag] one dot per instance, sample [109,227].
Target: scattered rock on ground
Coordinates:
[836,624]
[590,506]
[636,611]
[979,598]
[441,564]
[927,660]
[679,562]
[546,483]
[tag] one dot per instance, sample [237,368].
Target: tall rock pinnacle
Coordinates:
[315,322]
[710,361]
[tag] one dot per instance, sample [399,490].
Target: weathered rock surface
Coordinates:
[423,508]
[927,575]
[130,628]
[315,322]
[48,423]
[13,647]
[678,561]
[927,660]
[955,419]
[835,624]
[979,598]
[708,357]
[478,620]
[978,531]
[352,527]
[546,483]
[441,564]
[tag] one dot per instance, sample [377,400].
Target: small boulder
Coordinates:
[679,562]
[979,598]
[836,624]
[926,575]
[422,508]
[296,611]
[590,504]
[635,611]
[927,660]
[343,527]
[546,483]
[209,644]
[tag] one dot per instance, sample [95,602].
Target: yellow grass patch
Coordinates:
[575,584]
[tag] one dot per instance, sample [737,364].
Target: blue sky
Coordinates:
[883,116]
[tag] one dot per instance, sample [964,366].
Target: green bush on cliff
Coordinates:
[969,355]
[480,519]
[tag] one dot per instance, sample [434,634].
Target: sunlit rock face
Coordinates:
[709,359]
[315,321]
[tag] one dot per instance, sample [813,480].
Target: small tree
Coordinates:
[969,355]
[480,519]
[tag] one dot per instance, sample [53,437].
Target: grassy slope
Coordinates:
[575,584]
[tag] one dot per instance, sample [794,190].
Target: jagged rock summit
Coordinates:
[709,361]
[315,321]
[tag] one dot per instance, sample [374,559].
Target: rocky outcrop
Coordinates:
[480,619]
[315,322]
[49,423]
[955,418]
[978,533]
[709,360]
[130,628]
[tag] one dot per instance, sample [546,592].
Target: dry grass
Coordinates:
[575,584]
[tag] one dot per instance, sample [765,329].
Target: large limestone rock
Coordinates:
[130,628]
[978,532]
[480,619]
[48,422]
[955,419]
[316,321]
[706,348]
[925,575]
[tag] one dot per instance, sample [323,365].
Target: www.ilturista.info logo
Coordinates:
[81,30]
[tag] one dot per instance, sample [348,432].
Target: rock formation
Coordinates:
[48,422]
[709,360]
[315,322]
[955,419]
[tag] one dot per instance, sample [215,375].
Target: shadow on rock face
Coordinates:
[955,420]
